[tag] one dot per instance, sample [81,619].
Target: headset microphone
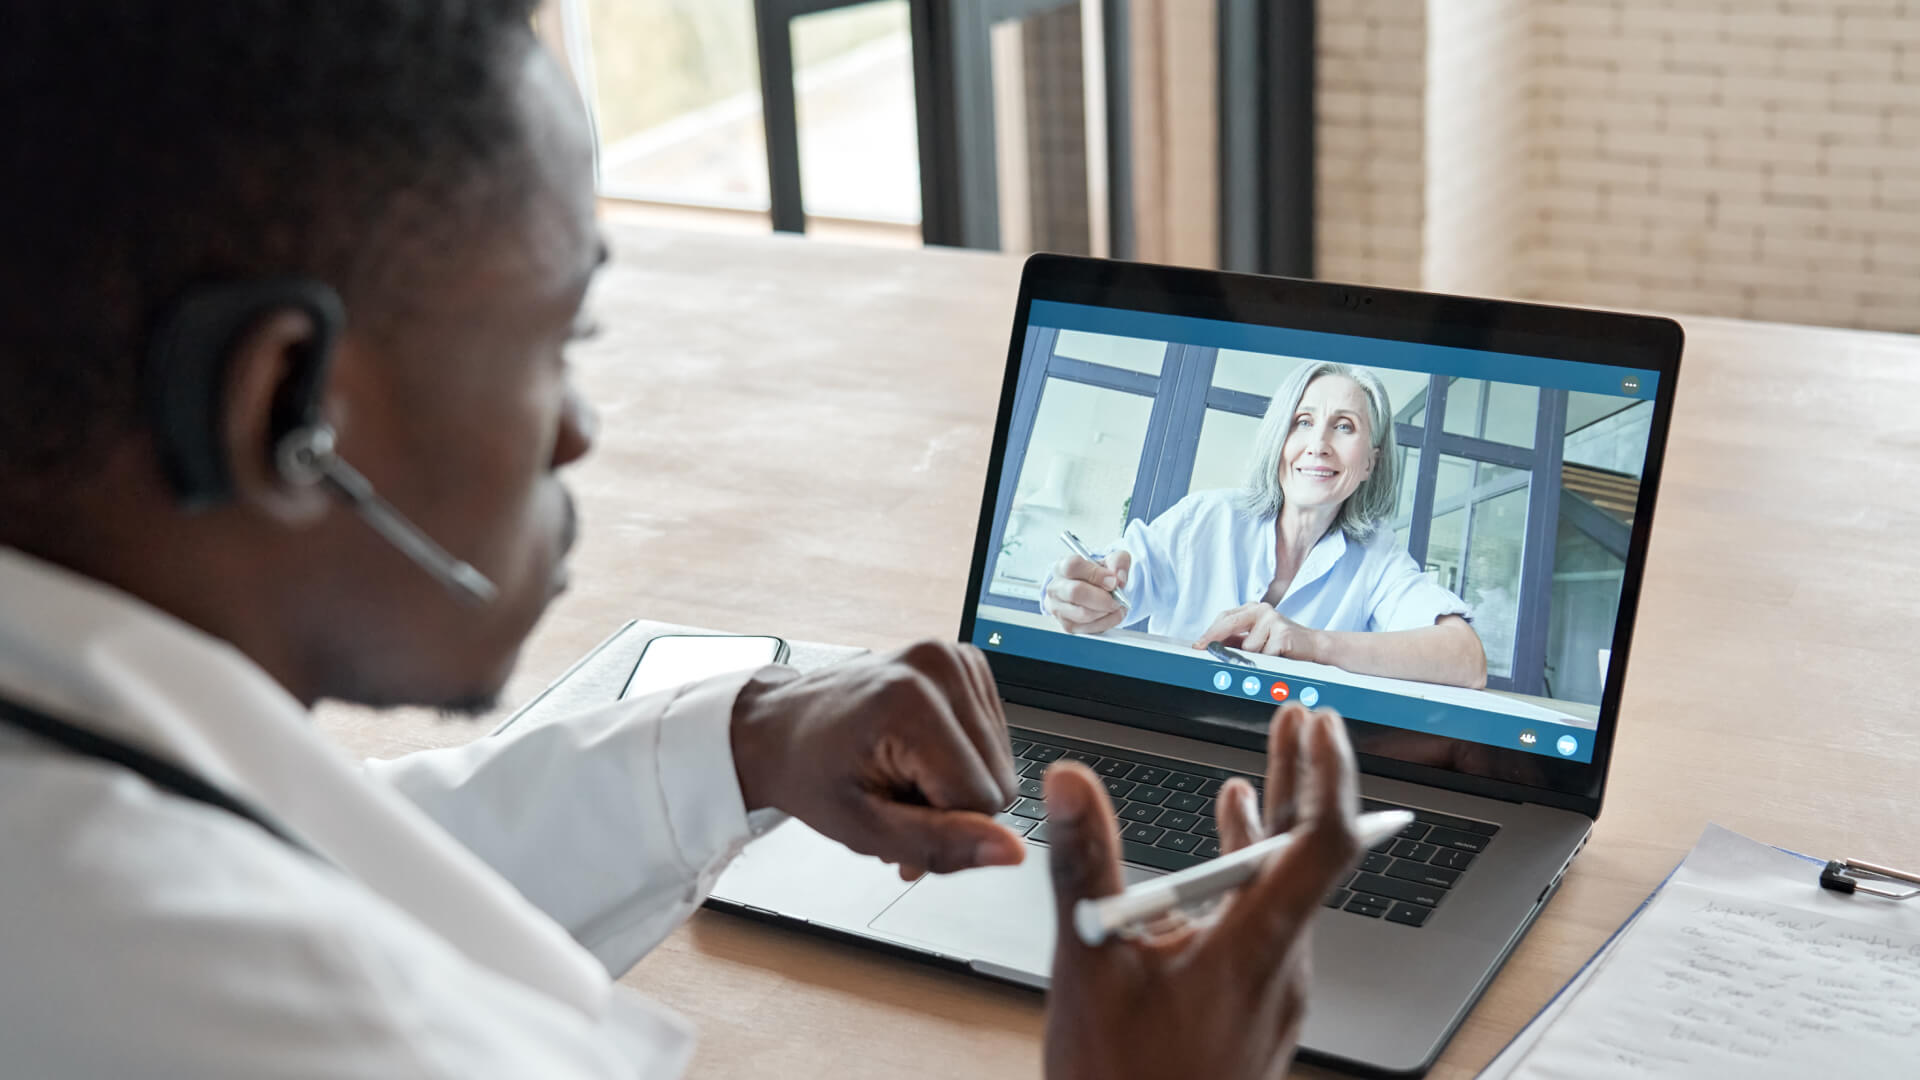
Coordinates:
[306,456]
[183,385]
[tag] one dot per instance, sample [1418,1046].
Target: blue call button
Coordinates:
[1567,745]
[1222,681]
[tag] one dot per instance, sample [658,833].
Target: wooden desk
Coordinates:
[795,438]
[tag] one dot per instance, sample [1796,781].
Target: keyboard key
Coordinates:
[1184,782]
[1117,788]
[1457,824]
[1208,848]
[1206,808]
[1147,774]
[1453,860]
[1108,766]
[1031,808]
[1043,753]
[1020,747]
[1179,841]
[1206,827]
[1144,813]
[1178,822]
[1384,847]
[1409,914]
[1142,834]
[1017,824]
[1414,831]
[1146,793]
[1412,849]
[1376,863]
[1338,897]
[1039,829]
[1460,841]
[1210,788]
[1080,756]
[1371,906]
[1437,876]
[1032,788]
[1411,891]
[1158,857]
[1034,769]
[1185,802]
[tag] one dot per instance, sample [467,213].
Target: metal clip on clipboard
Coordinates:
[1854,875]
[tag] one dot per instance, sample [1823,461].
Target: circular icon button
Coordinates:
[1567,745]
[1308,696]
[1222,680]
[1279,691]
[1250,686]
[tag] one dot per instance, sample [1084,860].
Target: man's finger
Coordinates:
[1237,812]
[976,709]
[1092,598]
[939,759]
[1084,847]
[1283,764]
[1121,563]
[943,841]
[1274,907]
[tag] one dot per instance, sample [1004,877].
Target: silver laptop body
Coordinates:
[1515,771]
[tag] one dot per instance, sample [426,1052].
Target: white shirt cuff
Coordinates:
[697,777]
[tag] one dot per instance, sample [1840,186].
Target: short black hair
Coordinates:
[151,145]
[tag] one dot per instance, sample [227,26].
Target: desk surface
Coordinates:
[794,440]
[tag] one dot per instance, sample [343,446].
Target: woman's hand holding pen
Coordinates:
[1080,596]
[1258,628]
[1219,996]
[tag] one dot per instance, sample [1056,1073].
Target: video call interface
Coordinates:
[1423,537]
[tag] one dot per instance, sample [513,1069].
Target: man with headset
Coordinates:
[251,249]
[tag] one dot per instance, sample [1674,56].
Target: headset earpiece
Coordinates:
[304,455]
[183,384]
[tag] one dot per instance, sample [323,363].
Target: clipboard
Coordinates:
[1776,876]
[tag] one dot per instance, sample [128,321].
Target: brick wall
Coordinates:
[1754,158]
[1371,186]
[1751,159]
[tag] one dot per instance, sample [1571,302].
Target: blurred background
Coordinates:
[1753,159]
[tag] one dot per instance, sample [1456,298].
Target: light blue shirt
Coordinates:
[1207,554]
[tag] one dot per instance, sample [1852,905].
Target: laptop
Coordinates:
[1141,408]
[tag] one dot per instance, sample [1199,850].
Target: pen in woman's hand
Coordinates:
[1074,545]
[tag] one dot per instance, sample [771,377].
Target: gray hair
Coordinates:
[1376,499]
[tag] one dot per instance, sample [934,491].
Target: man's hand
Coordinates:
[1220,997]
[903,756]
[1257,627]
[1080,596]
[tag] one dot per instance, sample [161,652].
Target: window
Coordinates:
[676,96]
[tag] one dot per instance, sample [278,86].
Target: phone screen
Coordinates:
[677,659]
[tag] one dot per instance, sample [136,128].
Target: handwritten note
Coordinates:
[1711,983]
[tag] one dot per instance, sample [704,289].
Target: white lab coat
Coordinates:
[477,899]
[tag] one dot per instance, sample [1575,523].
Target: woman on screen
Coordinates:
[1301,562]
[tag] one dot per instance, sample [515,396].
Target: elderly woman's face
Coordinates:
[1329,449]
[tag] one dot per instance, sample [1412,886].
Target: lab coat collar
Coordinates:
[83,650]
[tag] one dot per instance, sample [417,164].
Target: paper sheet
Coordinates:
[1740,966]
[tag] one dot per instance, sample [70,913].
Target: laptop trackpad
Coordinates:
[1001,914]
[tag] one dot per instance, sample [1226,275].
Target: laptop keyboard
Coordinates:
[1166,818]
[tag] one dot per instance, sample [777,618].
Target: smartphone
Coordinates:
[672,660]
[1229,656]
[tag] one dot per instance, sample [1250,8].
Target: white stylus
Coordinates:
[1096,920]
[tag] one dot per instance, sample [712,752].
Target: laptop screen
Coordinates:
[1431,539]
